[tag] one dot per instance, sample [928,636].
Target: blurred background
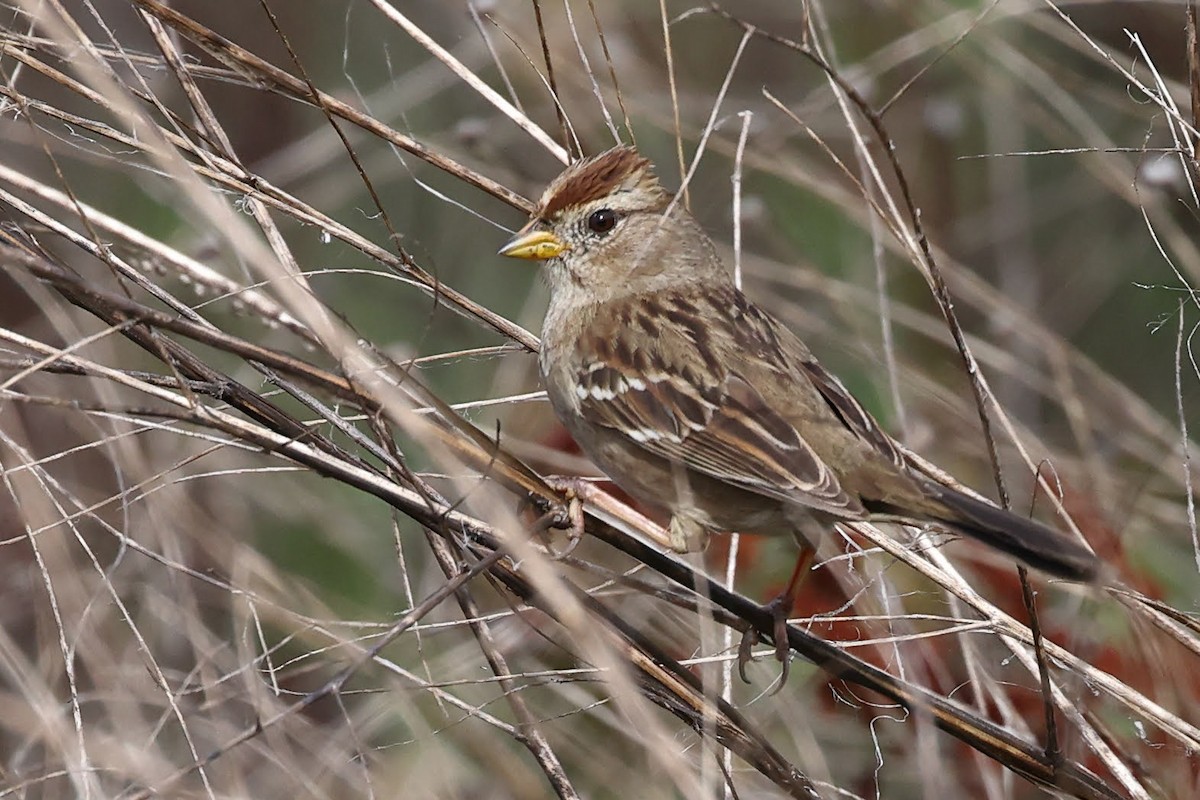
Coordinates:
[165,586]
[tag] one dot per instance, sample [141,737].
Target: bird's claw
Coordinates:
[779,608]
[566,515]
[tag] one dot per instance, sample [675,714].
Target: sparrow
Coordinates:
[693,399]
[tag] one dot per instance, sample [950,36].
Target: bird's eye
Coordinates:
[602,221]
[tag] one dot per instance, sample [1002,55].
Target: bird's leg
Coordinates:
[782,605]
[779,608]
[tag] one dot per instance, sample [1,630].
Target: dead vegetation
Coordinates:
[270,423]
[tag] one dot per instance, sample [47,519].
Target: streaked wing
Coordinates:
[851,412]
[725,430]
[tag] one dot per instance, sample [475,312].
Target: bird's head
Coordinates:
[606,228]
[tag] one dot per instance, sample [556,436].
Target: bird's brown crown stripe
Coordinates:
[593,178]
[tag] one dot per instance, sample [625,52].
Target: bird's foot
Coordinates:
[778,608]
[566,515]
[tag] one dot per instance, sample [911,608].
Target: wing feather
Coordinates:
[725,430]
[851,412]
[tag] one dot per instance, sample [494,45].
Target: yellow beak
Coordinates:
[534,245]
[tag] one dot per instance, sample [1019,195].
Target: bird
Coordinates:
[695,400]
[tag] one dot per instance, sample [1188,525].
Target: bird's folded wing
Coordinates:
[851,412]
[726,431]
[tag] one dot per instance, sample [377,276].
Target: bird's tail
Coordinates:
[1028,541]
